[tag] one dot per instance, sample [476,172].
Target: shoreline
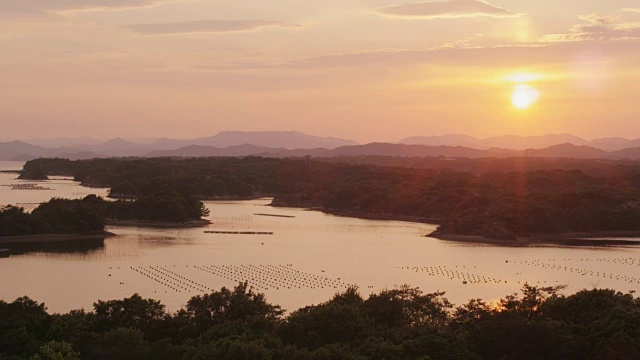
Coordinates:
[201,198]
[370,216]
[598,238]
[230,198]
[360,215]
[158,224]
[50,238]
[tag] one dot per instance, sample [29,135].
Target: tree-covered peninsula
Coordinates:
[493,198]
[91,214]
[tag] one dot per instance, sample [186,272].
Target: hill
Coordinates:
[295,144]
[207,151]
[521,197]
[403,150]
[254,142]
[513,142]
[9,150]
[273,139]
[516,142]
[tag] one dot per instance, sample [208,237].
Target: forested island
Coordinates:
[401,323]
[89,216]
[504,199]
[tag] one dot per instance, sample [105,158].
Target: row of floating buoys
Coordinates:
[444,271]
[183,280]
[623,261]
[155,277]
[585,272]
[272,277]
[170,279]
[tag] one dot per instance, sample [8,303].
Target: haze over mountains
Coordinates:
[25,150]
[292,143]
[514,142]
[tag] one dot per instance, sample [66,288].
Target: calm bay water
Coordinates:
[56,187]
[309,257]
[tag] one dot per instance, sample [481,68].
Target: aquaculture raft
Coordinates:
[276,215]
[240,232]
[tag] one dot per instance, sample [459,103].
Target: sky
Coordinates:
[368,70]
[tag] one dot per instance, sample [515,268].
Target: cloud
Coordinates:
[205,26]
[597,28]
[13,12]
[635,10]
[30,6]
[503,56]
[47,9]
[446,9]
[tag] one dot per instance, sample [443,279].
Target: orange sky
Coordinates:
[369,70]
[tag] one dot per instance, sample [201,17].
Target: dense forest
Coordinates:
[89,215]
[402,323]
[498,198]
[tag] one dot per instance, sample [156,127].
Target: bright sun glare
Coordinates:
[523,96]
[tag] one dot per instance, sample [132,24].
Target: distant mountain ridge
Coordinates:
[403,150]
[293,144]
[205,151]
[517,142]
[119,147]
[270,139]
[274,139]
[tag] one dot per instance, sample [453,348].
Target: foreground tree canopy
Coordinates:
[402,323]
[490,197]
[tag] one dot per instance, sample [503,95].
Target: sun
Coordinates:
[523,96]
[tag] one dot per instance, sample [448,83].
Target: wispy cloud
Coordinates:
[51,9]
[596,27]
[31,6]
[205,26]
[446,9]
[502,56]
[8,12]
